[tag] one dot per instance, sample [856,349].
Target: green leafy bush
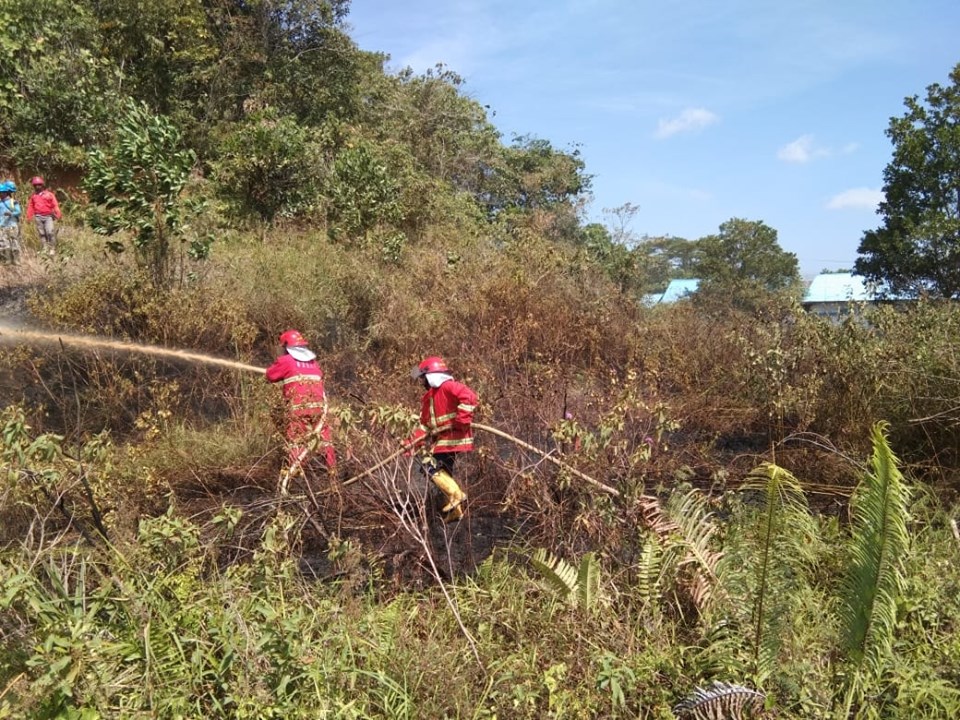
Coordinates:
[136,186]
[270,166]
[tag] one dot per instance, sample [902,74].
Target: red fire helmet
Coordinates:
[431,364]
[292,338]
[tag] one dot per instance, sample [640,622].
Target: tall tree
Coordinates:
[743,260]
[270,166]
[135,188]
[917,248]
[617,260]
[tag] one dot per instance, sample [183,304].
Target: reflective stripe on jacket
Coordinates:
[446,415]
[302,384]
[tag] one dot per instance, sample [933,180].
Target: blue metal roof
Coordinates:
[838,288]
[679,289]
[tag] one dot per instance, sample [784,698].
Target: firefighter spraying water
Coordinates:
[302,381]
[446,413]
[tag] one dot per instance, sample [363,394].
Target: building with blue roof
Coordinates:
[832,294]
[676,290]
[828,294]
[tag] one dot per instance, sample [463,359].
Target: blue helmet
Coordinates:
[8,186]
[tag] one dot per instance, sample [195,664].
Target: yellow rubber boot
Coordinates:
[448,486]
[454,515]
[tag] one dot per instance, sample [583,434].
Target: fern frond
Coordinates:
[578,586]
[561,575]
[877,548]
[720,701]
[782,542]
[654,517]
[588,580]
[650,569]
[695,530]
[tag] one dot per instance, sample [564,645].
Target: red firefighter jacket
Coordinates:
[302,384]
[446,414]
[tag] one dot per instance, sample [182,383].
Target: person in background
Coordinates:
[303,390]
[9,223]
[446,429]
[43,209]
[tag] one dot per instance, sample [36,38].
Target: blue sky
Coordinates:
[696,111]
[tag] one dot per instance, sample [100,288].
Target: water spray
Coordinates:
[11,333]
[8,333]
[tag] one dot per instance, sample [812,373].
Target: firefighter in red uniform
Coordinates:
[306,398]
[446,417]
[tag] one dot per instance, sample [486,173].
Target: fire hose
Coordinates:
[516,441]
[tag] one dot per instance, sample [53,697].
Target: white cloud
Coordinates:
[856,198]
[690,120]
[850,148]
[801,150]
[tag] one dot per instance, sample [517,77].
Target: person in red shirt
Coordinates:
[303,390]
[446,429]
[43,208]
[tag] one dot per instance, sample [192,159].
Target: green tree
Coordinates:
[208,63]
[136,187]
[917,248]
[446,131]
[744,261]
[540,176]
[365,199]
[270,166]
[665,259]
[57,94]
[158,47]
[531,174]
[293,55]
[636,264]
[616,260]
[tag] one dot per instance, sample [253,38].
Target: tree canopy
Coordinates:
[286,116]
[288,119]
[744,259]
[916,250]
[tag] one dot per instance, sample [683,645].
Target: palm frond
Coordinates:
[720,701]
[877,548]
